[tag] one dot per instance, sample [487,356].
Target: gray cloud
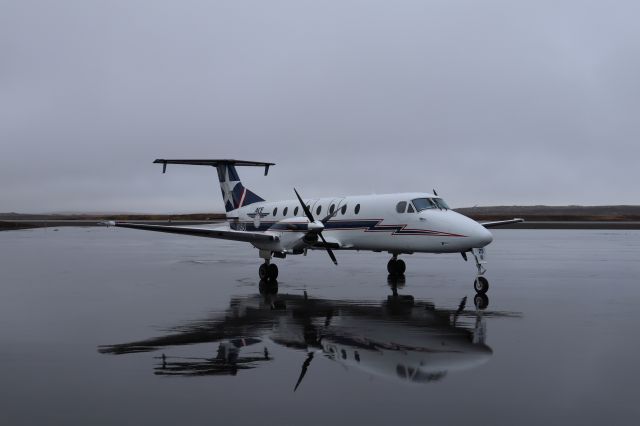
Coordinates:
[493,102]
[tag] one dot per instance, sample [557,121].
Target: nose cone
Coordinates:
[481,236]
[477,235]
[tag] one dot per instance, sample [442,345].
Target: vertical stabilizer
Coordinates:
[234,193]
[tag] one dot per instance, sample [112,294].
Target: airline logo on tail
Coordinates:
[234,194]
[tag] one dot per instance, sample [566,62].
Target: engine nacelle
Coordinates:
[294,234]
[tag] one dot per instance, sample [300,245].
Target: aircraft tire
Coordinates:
[263,272]
[273,271]
[481,285]
[391,267]
[396,267]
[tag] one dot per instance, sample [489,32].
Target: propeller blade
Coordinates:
[304,207]
[305,366]
[326,246]
[329,216]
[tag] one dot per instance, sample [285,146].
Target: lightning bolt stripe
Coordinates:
[366,225]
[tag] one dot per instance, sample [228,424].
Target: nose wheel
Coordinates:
[481,285]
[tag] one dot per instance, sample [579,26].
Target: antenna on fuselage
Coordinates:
[435,193]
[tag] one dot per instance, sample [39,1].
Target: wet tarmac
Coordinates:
[118,326]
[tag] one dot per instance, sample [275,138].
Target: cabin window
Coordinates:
[284,212]
[295,211]
[343,353]
[332,208]
[357,209]
[401,206]
[411,209]
[343,210]
[319,209]
[275,211]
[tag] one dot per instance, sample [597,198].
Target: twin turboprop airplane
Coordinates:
[399,223]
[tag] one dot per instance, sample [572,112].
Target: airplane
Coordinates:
[399,339]
[398,223]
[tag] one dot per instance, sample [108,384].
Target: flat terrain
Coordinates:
[536,217]
[88,313]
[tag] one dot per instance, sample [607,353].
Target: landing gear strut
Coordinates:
[396,266]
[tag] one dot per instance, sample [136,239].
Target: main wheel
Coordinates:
[400,267]
[273,271]
[263,271]
[481,285]
[391,266]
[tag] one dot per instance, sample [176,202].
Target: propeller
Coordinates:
[317,226]
[305,366]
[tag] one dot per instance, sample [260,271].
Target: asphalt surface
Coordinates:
[109,325]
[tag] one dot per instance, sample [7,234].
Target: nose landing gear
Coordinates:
[481,284]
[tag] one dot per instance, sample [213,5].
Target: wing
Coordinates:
[220,232]
[501,222]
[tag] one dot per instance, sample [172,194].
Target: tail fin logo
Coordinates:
[234,194]
[228,186]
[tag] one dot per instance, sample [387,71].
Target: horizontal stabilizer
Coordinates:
[215,162]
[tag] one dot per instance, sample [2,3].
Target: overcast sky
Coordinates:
[489,102]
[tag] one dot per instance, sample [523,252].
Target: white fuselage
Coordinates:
[368,222]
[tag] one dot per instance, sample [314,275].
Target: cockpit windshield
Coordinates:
[429,203]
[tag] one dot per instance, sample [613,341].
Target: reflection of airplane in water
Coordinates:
[401,338]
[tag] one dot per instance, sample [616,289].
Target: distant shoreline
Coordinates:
[536,217]
[622,225]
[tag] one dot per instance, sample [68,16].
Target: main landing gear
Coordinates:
[396,267]
[268,271]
